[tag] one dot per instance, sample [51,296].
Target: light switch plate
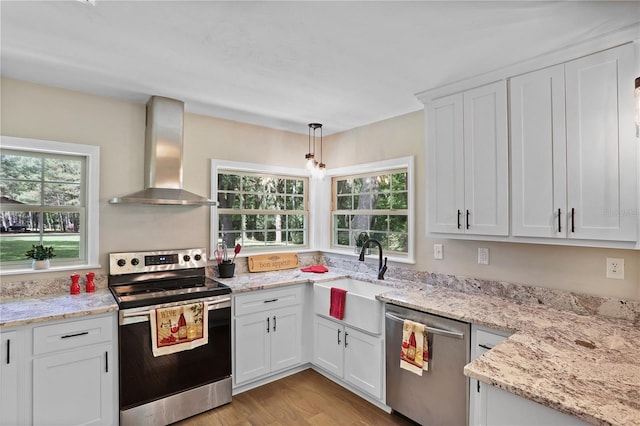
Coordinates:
[615,268]
[483,256]
[438,253]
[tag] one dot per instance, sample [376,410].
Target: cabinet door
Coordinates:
[486,160]
[601,147]
[328,344]
[9,373]
[505,408]
[286,338]
[538,154]
[445,165]
[252,356]
[74,388]
[363,361]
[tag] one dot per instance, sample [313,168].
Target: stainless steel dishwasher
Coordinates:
[441,395]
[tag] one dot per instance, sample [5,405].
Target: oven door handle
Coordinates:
[143,316]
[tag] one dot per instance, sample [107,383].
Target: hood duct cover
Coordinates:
[163,158]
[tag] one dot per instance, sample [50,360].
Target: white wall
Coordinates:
[35,111]
[118,127]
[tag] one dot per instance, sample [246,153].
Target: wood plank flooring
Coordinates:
[305,398]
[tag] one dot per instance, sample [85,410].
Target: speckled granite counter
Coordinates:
[585,366]
[264,280]
[21,311]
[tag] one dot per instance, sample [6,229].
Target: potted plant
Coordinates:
[360,240]
[40,255]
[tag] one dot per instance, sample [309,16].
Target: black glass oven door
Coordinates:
[145,378]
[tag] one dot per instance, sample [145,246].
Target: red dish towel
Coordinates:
[338,297]
[318,269]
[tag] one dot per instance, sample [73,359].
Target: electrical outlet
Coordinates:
[483,256]
[615,268]
[438,254]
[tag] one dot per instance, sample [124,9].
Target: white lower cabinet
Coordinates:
[73,388]
[349,354]
[60,373]
[9,361]
[267,333]
[490,406]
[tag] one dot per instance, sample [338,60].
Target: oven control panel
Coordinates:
[152,261]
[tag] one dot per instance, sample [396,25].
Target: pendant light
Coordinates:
[316,169]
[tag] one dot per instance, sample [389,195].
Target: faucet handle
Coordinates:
[382,270]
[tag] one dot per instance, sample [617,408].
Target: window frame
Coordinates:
[372,168]
[91,154]
[252,168]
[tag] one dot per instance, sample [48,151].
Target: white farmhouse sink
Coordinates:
[361,309]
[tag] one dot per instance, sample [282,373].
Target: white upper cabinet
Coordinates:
[538,154]
[573,151]
[601,146]
[445,158]
[467,156]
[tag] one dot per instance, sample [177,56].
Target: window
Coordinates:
[262,211]
[374,204]
[48,196]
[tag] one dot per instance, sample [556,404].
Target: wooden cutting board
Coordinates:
[272,262]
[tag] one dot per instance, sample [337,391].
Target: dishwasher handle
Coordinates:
[433,330]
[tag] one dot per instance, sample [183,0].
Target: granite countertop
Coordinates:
[21,311]
[241,283]
[585,366]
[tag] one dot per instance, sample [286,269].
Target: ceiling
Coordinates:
[285,64]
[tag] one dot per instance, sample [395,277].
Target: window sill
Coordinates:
[23,271]
[396,259]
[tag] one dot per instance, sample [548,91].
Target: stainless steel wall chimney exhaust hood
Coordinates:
[163,158]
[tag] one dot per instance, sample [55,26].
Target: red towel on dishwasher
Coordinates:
[338,297]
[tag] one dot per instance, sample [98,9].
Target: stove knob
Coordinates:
[121,262]
[197,257]
[135,261]
[186,257]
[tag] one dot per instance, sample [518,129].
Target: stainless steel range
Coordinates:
[158,390]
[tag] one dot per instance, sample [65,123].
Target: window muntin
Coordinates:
[375,203]
[262,211]
[56,193]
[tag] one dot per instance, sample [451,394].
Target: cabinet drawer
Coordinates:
[489,339]
[72,334]
[259,301]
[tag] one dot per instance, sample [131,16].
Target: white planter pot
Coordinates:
[41,264]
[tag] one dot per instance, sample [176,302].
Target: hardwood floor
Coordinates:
[305,398]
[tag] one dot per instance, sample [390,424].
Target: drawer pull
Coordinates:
[270,300]
[486,347]
[106,362]
[274,323]
[66,336]
[268,326]
[8,351]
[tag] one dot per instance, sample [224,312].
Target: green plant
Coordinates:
[40,252]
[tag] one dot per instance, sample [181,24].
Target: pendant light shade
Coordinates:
[317,170]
